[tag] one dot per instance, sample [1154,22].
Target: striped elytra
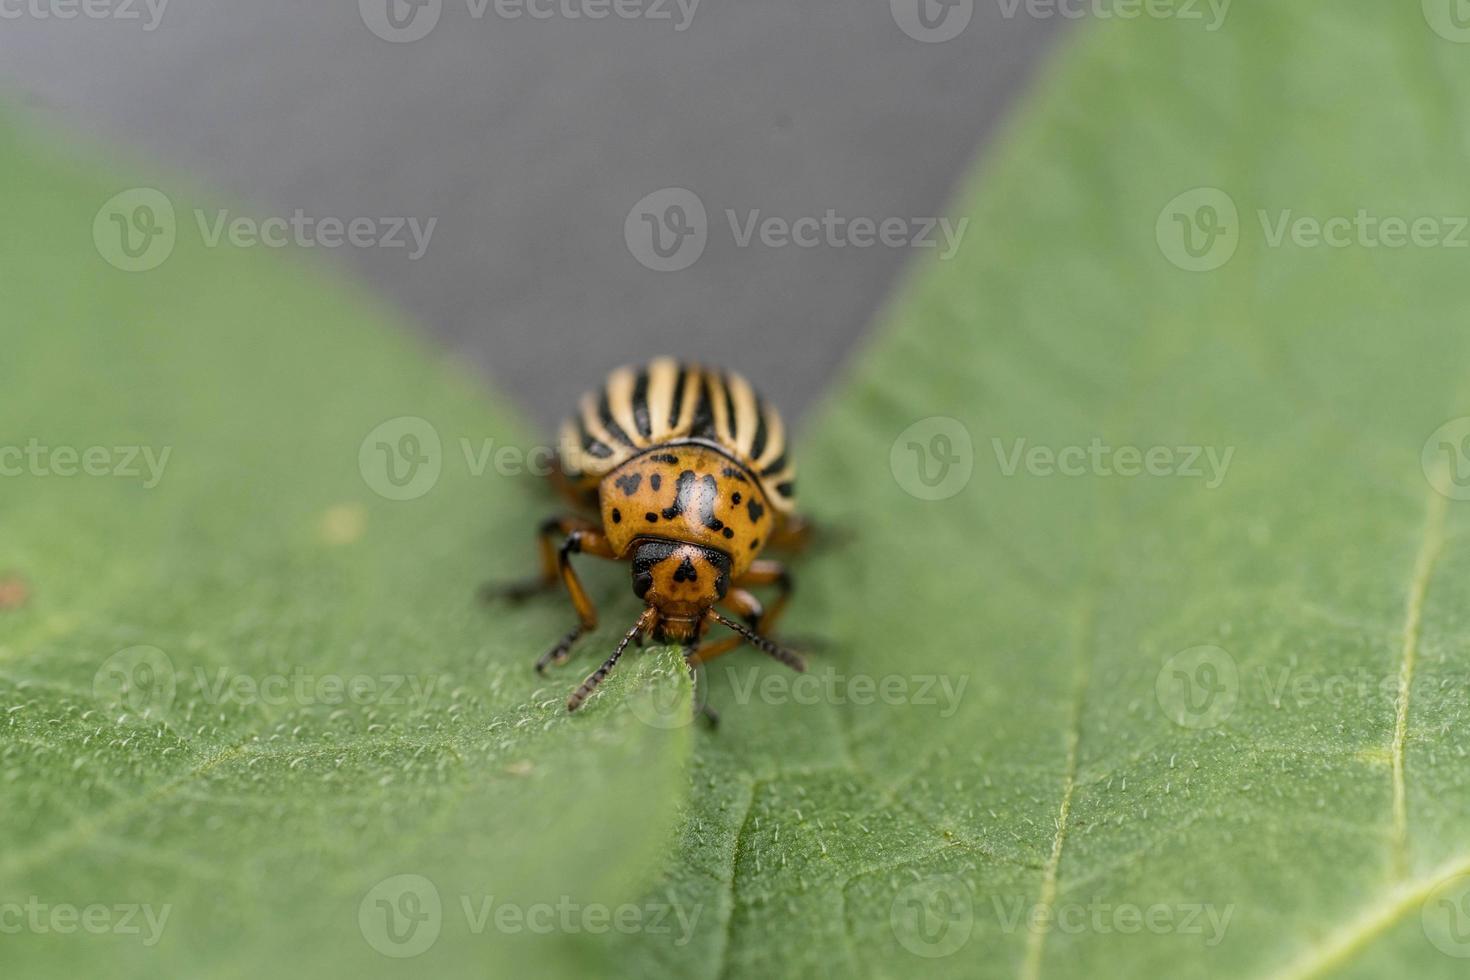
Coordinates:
[667,403]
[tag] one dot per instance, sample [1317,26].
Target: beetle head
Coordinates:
[681,582]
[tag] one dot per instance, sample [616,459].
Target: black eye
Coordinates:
[642,582]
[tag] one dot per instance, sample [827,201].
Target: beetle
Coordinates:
[683,471]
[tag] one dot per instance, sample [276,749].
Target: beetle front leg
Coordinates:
[587,542]
[523,589]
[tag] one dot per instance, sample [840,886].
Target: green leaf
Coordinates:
[243,696]
[1312,819]
[1204,721]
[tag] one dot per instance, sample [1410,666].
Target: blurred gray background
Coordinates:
[532,138]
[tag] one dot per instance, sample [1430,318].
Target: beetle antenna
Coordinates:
[590,684]
[761,643]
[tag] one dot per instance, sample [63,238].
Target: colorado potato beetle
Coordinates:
[684,472]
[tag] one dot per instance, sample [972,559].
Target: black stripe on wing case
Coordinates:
[640,405]
[604,415]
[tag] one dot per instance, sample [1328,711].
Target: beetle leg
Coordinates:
[715,648]
[746,605]
[794,535]
[587,542]
[526,588]
[763,571]
[797,534]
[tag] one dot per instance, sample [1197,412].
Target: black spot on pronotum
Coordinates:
[651,517]
[617,516]
[700,493]
[734,474]
[735,498]
[655,481]
[727,532]
[755,509]
[755,543]
[686,572]
[628,483]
